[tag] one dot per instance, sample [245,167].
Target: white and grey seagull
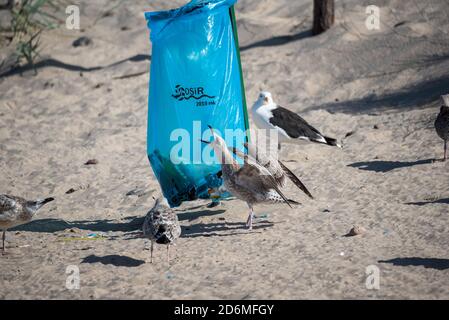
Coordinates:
[290,126]
[15,211]
[161,225]
[249,182]
[277,169]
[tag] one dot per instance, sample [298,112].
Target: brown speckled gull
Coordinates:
[15,211]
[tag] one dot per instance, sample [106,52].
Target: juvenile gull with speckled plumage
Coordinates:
[277,169]
[161,225]
[15,211]
[249,182]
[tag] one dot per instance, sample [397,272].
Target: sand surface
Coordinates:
[377,91]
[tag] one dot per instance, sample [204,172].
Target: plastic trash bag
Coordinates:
[195,81]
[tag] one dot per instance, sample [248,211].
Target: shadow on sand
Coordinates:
[278,41]
[115,260]
[192,215]
[426,92]
[432,263]
[423,203]
[46,63]
[224,229]
[55,225]
[385,166]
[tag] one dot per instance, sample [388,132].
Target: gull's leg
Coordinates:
[168,253]
[445,148]
[151,250]
[3,237]
[249,221]
[279,146]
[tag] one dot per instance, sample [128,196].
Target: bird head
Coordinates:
[218,144]
[33,206]
[220,147]
[265,98]
[161,202]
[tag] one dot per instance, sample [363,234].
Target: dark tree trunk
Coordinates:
[323,15]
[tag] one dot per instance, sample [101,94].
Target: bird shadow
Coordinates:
[385,166]
[50,62]
[55,225]
[192,215]
[432,263]
[278,41]
[223,229]
[423,203]
[115,260]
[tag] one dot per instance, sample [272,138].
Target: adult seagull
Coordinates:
[290,126]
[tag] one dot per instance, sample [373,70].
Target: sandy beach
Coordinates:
[378,92]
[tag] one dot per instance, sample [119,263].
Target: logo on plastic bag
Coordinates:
[196,93]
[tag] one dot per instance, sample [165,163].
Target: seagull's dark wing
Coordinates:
[295,179]
[295,126]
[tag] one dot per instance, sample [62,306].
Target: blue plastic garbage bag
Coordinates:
[195,81]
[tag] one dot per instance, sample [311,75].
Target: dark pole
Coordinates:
[323,15]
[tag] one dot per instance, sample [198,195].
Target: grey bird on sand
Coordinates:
[442,124]
[15,211]
[249,182]
[277,169]
[161,225]
[289,126]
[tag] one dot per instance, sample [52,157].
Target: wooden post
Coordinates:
[323,15]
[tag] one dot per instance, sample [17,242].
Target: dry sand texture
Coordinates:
[347,82]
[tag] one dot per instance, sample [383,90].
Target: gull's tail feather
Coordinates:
[295,180]
[332,142]
[47,200]
[293,202]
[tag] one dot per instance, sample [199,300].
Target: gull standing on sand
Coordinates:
[161,225]
[15,211]
[277,169]
[442,124]
[250,182]
[289,125]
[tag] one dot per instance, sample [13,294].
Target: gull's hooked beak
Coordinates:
[212,130]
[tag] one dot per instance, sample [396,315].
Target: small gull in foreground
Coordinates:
[161,225]
[250,182]
[15,211]
[289,125]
